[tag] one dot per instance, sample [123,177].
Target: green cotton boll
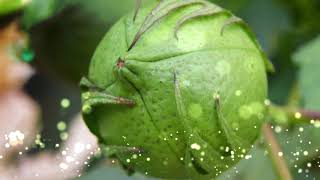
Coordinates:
[176,90]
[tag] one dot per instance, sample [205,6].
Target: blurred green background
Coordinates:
[65,33]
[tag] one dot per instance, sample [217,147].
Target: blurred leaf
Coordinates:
[257,167]
[112,173]
[9,6]
[266,25]
[306,15]
[39,10]
[308,60]
[301,146]
[269,27]
[301,143]
[300,139]
[280,84]
[233,5]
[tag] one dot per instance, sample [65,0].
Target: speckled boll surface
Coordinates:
[176,90]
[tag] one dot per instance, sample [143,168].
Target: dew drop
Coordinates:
[238,93]
[195,146]
[280,154]
[61,126]
[65,103]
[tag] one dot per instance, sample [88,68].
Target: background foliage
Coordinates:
[64,34]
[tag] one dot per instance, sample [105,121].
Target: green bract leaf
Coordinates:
[308,60]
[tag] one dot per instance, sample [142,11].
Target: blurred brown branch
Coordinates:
[12,72]
[19,116]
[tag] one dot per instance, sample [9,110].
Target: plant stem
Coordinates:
[275,153]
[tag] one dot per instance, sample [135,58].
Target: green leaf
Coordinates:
[232,5]
[9,6]
[38,11]
[265,24]
[308,60]
[112,173]
[304,138]
[259,166]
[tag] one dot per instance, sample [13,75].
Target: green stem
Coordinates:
[275,153]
